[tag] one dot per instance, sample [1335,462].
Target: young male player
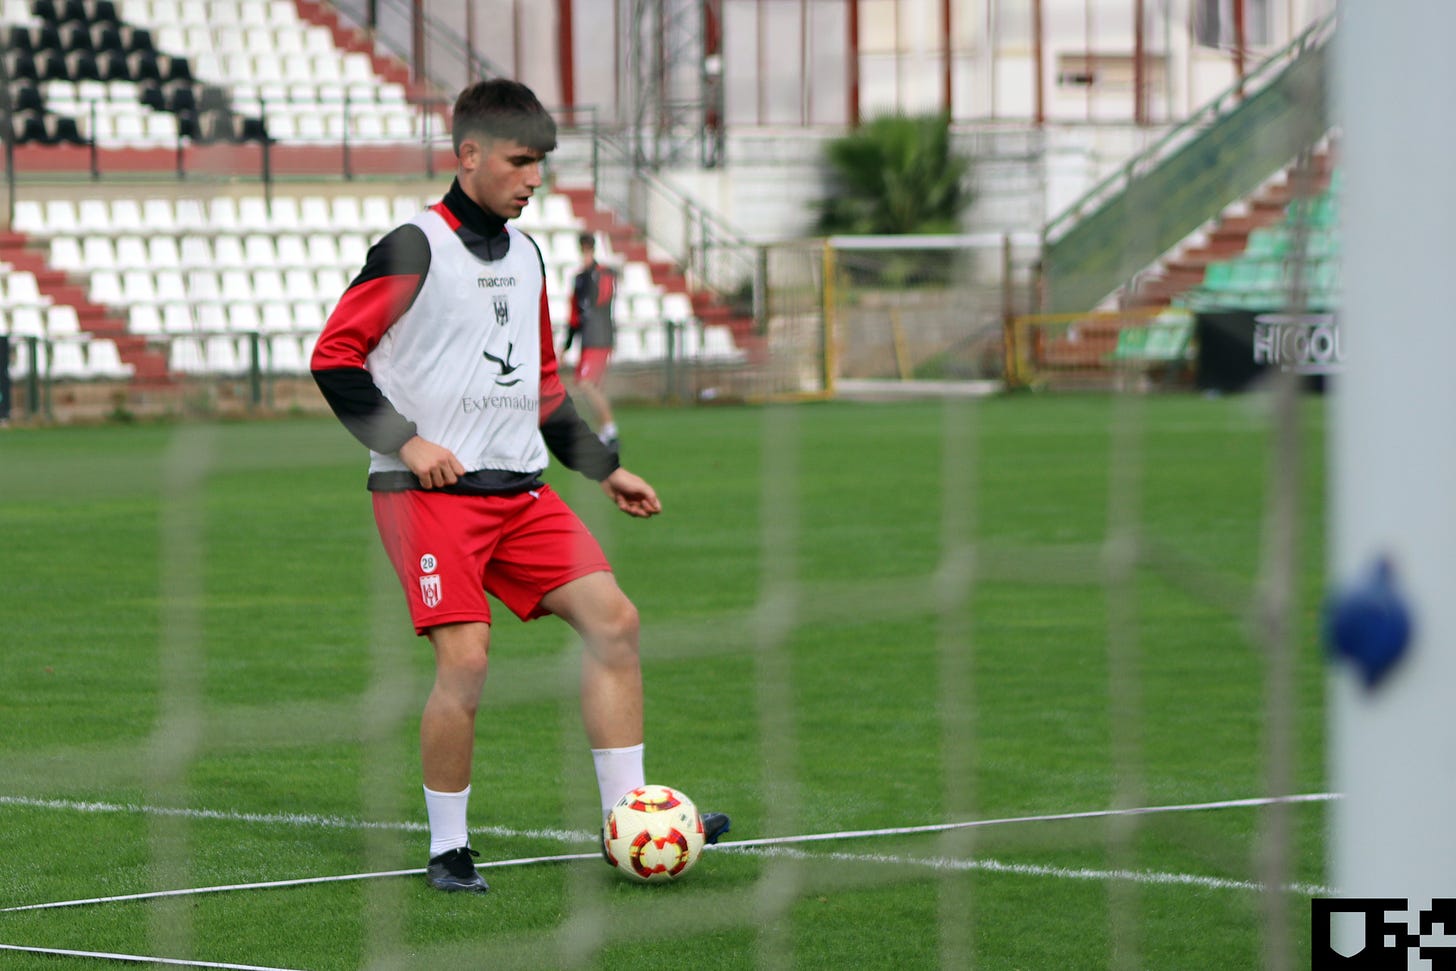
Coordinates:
[439,358]
[592,295]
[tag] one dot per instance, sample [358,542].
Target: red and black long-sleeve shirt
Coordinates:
[445,334]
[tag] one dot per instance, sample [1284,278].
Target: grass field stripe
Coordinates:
[298,882]
[1149,877]
[136,958]
[1051,817]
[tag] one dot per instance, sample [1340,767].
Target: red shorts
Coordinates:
[592,365]
[450,550]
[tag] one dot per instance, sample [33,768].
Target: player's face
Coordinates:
[500,175]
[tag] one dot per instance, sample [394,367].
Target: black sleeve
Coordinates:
[364,410]
[575,446]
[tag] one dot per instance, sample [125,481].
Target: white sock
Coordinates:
[619,771]
[447,820]
[608,432]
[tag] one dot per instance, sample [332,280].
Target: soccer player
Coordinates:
[438,358]
[592,294]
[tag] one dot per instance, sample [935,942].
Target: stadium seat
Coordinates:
[718,343]
[171,286]
[68,361]
[184,356]
[132,253]
[677,307]
[104,287]
[177,318]
[26,321]
[353,250]
[299,284]
[228,252]
[61,320]
[237,286]
[65,254]
[203,286]
[308,315]
[222,357]
[23,290]
[212,317]
[138,286]
[275,316]
[285,355]
[267,284]
[259,250]
[145,320]
[103,360]
[28,217]
[243,318]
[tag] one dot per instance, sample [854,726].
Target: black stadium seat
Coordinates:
[112,66]
[173,68]
[51,66]
[142,65]
[81,66]
[19,64]
[179,96]
[99,11]
[45,37]
[106,37]
[44,129]
[17,38]
[74,35]
[135,38]
[25,95]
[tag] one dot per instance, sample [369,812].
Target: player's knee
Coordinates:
[618,633]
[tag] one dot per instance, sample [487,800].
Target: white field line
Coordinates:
[582,836]
[135,958]
[1148,877]
[286,819]
[752,845]
[1052,817]
[298,882]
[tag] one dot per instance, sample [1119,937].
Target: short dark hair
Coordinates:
[587,239]
[501,108]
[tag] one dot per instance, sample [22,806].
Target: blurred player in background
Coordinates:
[438,357]
[591,320]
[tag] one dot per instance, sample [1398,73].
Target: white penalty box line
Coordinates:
[767,845]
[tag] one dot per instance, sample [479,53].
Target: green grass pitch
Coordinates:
[855,617]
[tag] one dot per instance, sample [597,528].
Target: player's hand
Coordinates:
[434,465]
[632,494]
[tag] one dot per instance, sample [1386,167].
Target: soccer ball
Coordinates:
[653,834]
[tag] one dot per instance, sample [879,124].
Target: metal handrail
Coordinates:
[435,32]
[1314,35]
[707,237]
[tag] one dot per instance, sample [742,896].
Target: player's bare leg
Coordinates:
[611,672]
[611,685]
[447,746]
[447,728]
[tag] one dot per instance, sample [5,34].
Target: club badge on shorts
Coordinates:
[430,581]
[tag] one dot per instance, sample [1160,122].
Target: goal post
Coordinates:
[1393,461]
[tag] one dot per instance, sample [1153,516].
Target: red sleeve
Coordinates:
[393,273]
[553,392]
[363,314]
[392,276]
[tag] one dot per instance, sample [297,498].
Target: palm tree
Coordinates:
[896,174]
